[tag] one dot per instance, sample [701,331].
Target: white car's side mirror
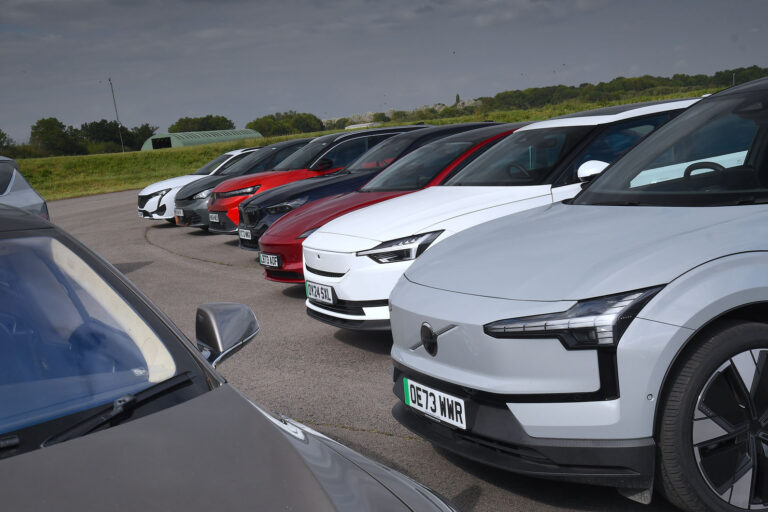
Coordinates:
[591,168]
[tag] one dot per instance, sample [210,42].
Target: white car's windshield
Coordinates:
[711,155]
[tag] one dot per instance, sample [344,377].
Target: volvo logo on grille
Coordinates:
[429,339]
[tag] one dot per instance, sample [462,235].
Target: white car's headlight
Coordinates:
[239,192]
[287,206]
[203,194]
[401,249]
[589,323]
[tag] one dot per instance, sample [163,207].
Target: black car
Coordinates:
[105,405]
[261,211]
[191,204]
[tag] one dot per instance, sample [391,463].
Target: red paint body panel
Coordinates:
[265,181]
[282,237]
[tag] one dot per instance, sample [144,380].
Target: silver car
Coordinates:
[15,191]
[620,338]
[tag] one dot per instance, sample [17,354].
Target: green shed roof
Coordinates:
[173,140]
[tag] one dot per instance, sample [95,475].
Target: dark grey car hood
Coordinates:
[215,452]
[571,252]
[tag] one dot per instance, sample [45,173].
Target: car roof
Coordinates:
[755,85]
[432,130]
[286,143]
[242,150]
[338,137]
[15,219]
[624,112]
[480,134]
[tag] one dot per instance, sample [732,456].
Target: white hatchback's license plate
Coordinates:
[320,292]
[141,214]
[213,217]
[436,404]
[245,234]
[268,260]
[178,212]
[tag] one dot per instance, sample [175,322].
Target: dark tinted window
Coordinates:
[210,166]
[303,157]
[416,169]
[346,152]
[382,155]
[232,161]
[526,157]
[6,173]
[712,154]
[614,141]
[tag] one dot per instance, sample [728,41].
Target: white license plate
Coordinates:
[320,292]
[245,234]
[436,404]
[178,212]
[268,260]
[141,215]
[213,217]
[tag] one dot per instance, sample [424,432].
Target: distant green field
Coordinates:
[74,176]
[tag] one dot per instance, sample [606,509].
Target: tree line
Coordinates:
[50,137]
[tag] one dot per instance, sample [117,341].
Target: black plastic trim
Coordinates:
[325,273]
[355,325]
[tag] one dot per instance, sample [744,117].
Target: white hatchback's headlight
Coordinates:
[401,249]
[203,194]
[589,323]
[287,206]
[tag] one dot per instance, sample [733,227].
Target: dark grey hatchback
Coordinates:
[105,405]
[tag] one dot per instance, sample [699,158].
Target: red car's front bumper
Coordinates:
[291,269]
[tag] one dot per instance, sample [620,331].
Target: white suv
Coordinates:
[616,339]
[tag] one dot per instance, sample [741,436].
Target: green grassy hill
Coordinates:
[74,176]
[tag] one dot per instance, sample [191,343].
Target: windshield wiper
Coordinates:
[121,405]
[744,200]
[615,203]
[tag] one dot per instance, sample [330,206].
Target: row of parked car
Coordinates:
[582,298]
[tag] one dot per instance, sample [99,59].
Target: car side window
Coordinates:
[346,152]
[613,141]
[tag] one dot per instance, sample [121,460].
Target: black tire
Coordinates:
[709,399]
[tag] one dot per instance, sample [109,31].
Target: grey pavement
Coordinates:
[336,381]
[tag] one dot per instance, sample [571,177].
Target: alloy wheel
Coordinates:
[730,431]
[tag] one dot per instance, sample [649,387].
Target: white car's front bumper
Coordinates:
[361,288]
[157,206]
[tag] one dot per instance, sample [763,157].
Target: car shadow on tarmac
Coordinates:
[295,292]
[377,342]
[557,494]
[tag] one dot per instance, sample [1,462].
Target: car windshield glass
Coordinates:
[382,155]
[6,173]
[303,157]
[711,155]
[249,161]
[526,157]
[68,340]
[416,169]
[210,166]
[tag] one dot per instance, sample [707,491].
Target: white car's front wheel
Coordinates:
[713,435]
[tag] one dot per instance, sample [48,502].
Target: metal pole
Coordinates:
[119,131]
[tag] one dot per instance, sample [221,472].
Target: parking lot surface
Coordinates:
[336,381]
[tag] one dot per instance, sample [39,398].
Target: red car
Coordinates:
[322,155]
[430,165]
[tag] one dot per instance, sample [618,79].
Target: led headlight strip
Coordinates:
[401,249]
[590,323]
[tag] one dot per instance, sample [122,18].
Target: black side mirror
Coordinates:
[323,164]
[223,328]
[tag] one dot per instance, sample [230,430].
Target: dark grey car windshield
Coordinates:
[303,157]
[711,155]
[382,155]
[526,157]
[68,340]
[417,169]
[210,166]
[248,162]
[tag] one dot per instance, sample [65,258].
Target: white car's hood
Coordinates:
[570,252]
[176,182]
[429,209]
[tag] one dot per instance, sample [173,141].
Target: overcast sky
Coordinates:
[244,59]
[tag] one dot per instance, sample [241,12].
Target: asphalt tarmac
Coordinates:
[336,381]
